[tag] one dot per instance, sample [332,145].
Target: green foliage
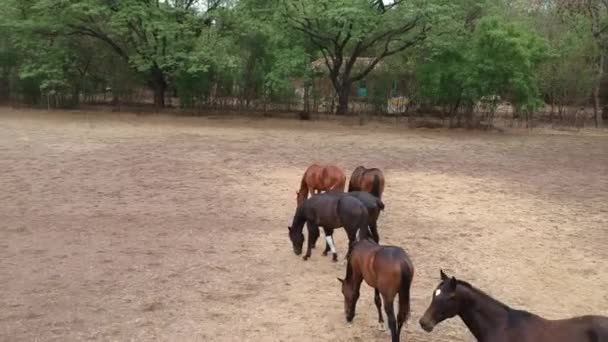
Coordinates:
[497,58]
[450,53]
[569,75]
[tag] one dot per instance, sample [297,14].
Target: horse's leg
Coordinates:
[327,248]
[390,314]
[313,235]
[329,239]
[352,238]
[378,302]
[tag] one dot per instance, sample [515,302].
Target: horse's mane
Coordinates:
[514,316]
[483,294]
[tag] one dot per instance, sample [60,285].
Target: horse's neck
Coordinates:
[482,314]
[299,218]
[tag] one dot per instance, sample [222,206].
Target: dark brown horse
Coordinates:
[329,210]
[490,320]
[362,179]
[387,269]
[374,206]
[319,178]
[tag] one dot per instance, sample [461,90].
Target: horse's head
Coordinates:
[297,239]
[350,298]
[445,304]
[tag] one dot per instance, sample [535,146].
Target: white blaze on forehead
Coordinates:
[437,292]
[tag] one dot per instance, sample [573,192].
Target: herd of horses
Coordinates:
[389,270]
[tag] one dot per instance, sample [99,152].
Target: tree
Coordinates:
[568,77]
[343,31]
[495,59]
[156,38]
[596,12]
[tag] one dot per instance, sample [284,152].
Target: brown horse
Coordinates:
[389,271]
[319,178]
[490,320]
[362,179]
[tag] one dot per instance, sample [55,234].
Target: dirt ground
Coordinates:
[132,228]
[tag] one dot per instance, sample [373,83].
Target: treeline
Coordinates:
[460,59]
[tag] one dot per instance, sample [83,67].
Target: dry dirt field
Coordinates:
[133,228]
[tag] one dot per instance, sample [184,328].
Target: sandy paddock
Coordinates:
[131,228]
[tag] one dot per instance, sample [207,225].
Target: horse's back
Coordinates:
[352,207]
[369,201]
[322,209]
[397,255]
[583,328]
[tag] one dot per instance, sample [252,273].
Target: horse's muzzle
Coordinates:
[426,325]
[298,251]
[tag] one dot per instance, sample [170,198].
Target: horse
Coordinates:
[387,269]
[362,179]
[490,320]
[374,206]
[329,210]
[319,178]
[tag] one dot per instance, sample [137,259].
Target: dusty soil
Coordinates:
[130,228]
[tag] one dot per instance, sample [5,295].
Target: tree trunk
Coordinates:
[343,95]
[5,91]
[159,95]
[596,91]
[159,86]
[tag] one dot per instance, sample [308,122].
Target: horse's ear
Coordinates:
[340,280]
[443,276]
[288,227]
[453,284]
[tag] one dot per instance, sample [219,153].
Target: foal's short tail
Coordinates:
[376,186]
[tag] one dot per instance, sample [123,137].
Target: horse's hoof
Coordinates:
[305,257]
[335,258]
[381,326]
[324,253]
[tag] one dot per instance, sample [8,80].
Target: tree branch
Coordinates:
[86,31]
[389,52]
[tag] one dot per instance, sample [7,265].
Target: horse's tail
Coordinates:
[376,186]
[364,229]
[380,204]
[407,275]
